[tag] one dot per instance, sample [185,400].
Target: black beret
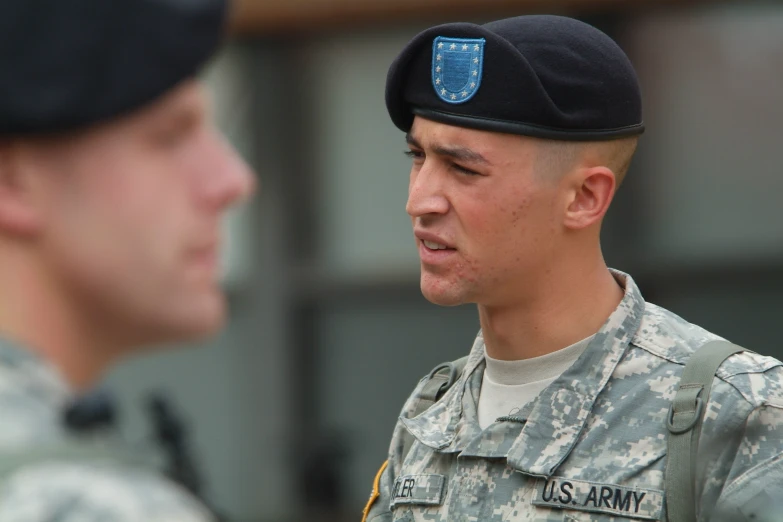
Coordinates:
[546,76]
[66,64]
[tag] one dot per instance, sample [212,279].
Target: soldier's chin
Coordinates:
[210,319]
[436,292]
[201,320]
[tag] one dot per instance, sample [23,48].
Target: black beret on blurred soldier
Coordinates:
[67,64]
[113,182]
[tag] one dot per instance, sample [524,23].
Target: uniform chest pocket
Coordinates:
[423,490]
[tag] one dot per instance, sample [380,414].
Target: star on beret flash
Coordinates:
[437,81]
[453,96]
[443,91]
[464,47]
[440,45]
[464,93]
[475,60]
[476,47]
[452,47]
[438,57]
[437,69]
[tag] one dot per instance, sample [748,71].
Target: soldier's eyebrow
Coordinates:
[454,152]
[410,140]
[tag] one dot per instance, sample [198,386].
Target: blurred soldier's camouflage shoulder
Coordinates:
[592,446]
[43,478]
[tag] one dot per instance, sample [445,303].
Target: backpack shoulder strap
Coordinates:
[684,424]
[440,379]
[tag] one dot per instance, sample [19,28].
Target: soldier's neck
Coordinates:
[573,306]
[38,316]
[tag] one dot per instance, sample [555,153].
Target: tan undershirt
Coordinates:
[510,385]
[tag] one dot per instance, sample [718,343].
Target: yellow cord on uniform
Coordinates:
[376,490]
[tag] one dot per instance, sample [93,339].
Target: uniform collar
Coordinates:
[22,373]
[437,427]
[559,413]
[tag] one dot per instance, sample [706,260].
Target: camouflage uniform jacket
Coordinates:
[32,401]
[592,446]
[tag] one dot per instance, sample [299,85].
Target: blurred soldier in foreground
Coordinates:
[113,182]
[579,400]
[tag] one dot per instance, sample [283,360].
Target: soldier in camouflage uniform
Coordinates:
[113,181]
[520,131]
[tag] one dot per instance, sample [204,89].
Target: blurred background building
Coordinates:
[291,408]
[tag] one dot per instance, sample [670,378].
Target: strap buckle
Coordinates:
[691,423]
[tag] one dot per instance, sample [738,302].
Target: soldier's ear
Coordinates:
[21,198]
[590,194]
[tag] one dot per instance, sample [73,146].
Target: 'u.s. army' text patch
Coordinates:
[565,493]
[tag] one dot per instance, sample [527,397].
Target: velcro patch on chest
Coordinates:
[424,490]
[581,495]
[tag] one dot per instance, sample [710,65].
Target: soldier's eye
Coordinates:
[463,170]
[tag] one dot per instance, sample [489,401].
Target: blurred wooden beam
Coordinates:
[282,17]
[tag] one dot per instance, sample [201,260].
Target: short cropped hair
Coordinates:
[555,158]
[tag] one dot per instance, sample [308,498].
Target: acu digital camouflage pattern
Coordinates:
[32,399]
[592,446]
